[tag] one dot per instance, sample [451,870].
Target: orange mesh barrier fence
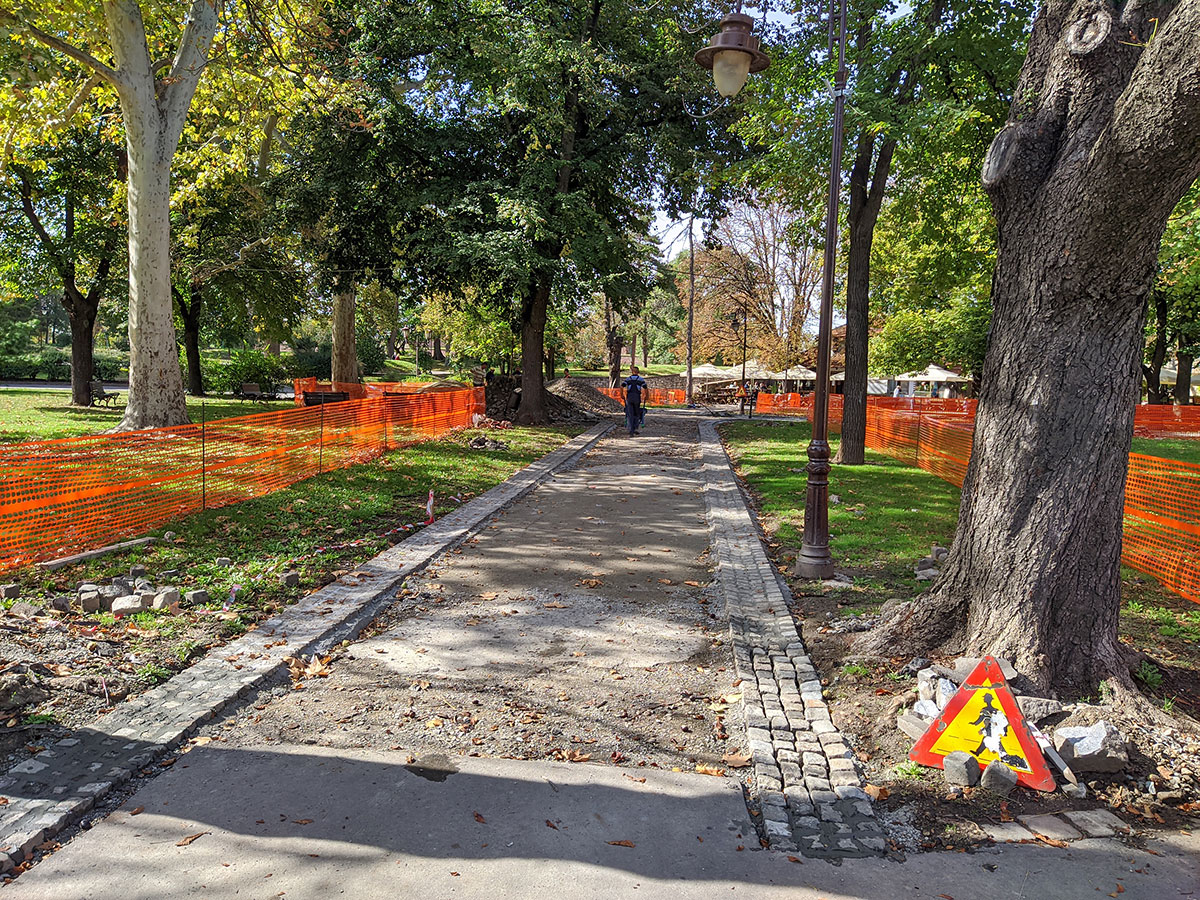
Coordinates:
[1162,496]
[1154,420]
[65,496]
[356,391]
[652,396]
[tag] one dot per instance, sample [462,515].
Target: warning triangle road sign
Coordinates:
[984,720]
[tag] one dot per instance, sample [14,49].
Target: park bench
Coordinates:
[251,391]
[317,398]
[99,395]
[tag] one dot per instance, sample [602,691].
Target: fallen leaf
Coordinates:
[638,780]
[434,723]
[555,606]
[137,811]
[876,792]
[622,843]
[945,897]
[665,581]
[1005,815]
[550,824]
[795,859]
[191,837]
[736,760]
[693,583]
[575,756]
[480,819]
[302,821]
[1051,841]
[591,582]
[706,769]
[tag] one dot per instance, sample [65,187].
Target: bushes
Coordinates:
[54,364]
[243,367]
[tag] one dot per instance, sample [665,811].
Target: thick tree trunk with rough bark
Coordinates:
[1183,378]
[866,199]
[614,342]
[1152,371]
[532,410]
[344,361]
[1102,141]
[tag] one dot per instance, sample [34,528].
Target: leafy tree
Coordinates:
[1103,140]
[60,206]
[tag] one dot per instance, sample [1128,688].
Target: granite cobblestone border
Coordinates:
[804,776]
[49,791]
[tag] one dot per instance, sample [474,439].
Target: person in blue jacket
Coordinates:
[635,388]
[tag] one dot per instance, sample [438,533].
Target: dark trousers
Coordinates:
[633,415]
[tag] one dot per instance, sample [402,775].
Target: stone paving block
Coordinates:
[1051,826]
[1096,822]
[1002,832]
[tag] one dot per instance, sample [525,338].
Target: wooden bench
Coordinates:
[251,391]
[98,394]
[317,398]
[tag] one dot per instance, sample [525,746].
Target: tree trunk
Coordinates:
[1102,141]
[645,345]
[866,200]
[1152,371]
[273,348]
[532,410]
[437,349]
[549,363]
[1183,378]
[83,324]
[614,342]
[189,311]
[345,354]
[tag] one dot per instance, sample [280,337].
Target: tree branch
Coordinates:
[82,57]
[77,101]
[194,43]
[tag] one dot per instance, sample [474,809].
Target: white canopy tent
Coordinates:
[877,386]
[1168,375]
[932,374]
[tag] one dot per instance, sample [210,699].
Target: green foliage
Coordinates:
[1148,674]
[152,673]
[40,719]
[855,669]
[369,346]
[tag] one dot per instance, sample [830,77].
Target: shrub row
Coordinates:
[54,364]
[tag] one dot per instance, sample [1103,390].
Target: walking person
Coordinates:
[635,386]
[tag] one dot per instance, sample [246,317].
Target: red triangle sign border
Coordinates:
[987,674]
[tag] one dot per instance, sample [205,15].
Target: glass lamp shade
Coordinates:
[730,69]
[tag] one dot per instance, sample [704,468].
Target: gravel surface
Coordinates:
[586,396]
[579,626]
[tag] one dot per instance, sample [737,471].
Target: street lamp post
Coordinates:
[732,55]
[814,560]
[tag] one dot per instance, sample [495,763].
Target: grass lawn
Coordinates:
[889,514]
[321,527]
[40,415]
[1183,449]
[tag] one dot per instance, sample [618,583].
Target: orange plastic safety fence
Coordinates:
[1154,420]
[650,396]
[1162,496]
[74,494]
[354,390]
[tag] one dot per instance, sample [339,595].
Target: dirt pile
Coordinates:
[585,396]
[504,396]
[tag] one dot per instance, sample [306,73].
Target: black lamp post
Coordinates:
[815,560]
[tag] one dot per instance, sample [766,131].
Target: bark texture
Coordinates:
[1102,140]
[344,361]
[1183,378]
[1152,370]
[190,308]
[868,180]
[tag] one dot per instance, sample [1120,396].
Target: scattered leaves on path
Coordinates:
[736,760]
[706,769]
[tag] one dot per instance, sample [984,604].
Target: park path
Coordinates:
[526,720]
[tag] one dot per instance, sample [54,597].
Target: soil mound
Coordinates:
[585,396]
[504,396]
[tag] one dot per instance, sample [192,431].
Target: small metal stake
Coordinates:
[203,458]
[321,442]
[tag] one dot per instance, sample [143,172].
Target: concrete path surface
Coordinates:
[420,760]
[310,823]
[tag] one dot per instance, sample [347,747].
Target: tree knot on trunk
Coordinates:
[1089,33]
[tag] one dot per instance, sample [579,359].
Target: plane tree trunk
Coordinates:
[1102,141]
[344,361]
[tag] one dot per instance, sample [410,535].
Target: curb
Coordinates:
[804,774]
[65,780]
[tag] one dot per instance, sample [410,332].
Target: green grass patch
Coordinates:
[41,415]
[1183,449]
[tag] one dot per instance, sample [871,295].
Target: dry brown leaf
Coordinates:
[622,843]
[302,821]
[137,810]
[434,723]
[665,581]
[693,583]
[591,582]
[550,824]
[638,780]
[706,769]
[795,859]
[736,760]
[876,792]
[190,838]
[1051,841]
[479,818]
[575,756]
[556,606]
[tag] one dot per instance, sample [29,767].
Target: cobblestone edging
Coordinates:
[49,791]
[804,775]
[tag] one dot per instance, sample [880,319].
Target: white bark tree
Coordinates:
[155,96]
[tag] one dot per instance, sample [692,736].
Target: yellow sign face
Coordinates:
[981,728]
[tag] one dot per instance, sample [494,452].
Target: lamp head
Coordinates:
[733,54]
